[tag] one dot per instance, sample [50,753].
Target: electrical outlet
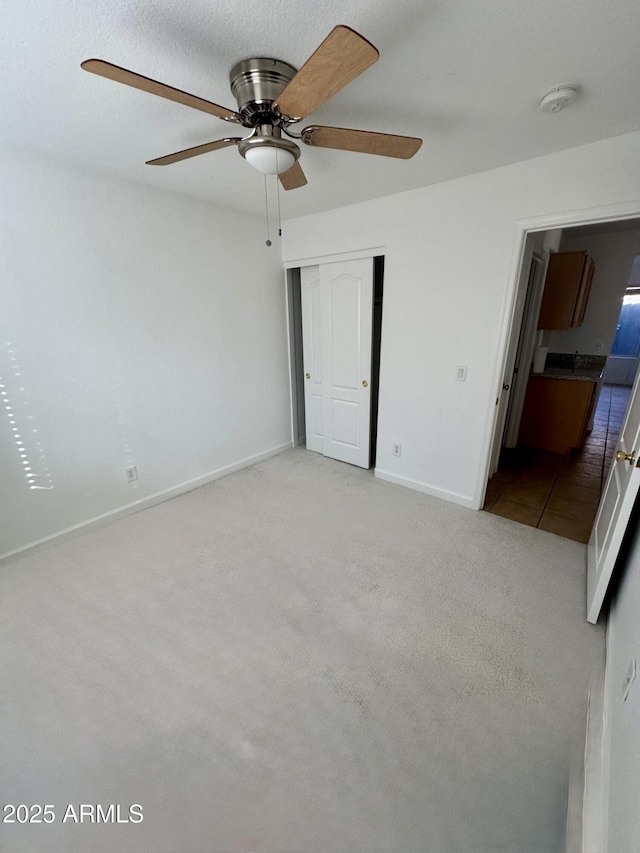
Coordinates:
[396,449]
[599,347]
[131,474]
[628,680]
[461,373]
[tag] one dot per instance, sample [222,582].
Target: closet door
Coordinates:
[312,355]
[346,290]
[337,316]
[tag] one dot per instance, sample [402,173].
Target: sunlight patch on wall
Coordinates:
[122,426]
[23,429]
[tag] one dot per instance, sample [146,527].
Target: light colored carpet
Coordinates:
[297,657]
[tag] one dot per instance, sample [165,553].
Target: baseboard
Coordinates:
[417,486]
[156,498]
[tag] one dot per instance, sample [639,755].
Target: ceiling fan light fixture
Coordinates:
[269,154]
[269,160]
[272,95]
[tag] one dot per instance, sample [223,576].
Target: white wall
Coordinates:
[147,328]
[623,718]
[613,256]
[449,275]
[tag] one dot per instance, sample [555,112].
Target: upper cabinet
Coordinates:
[566,290]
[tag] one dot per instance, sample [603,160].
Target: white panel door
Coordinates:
[615,508]
[347,314]
[510,400]
[312,355]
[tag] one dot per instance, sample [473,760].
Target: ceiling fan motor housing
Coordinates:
[256,83]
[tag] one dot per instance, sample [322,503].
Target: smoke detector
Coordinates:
[558,98]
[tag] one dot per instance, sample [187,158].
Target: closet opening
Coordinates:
[334,313]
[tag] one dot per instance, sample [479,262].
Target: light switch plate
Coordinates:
[461,373]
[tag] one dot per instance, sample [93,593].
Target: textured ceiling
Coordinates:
[465,76]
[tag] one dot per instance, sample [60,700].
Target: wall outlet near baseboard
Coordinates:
[131,474]
[396,449]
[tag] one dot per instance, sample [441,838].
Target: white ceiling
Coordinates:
[465,76]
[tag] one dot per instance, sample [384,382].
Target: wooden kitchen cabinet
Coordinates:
[566,290]
[556,413]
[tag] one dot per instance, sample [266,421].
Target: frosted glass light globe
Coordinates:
[269,160]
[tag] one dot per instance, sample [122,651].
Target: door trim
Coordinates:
[332,259]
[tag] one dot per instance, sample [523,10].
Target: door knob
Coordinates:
[621,456]
[308,375]
[364,383]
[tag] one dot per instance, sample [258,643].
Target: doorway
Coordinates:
[555,492]
[622,364]
[557,487]
[299,412]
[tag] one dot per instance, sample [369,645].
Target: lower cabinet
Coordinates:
[556,413]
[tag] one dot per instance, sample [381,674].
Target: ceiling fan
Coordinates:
[271,96]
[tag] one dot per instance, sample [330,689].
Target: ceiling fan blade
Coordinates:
[362,141]
[341,57]
[194,152]
[293,177]
[129,78]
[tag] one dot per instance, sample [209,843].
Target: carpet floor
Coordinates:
[297,657]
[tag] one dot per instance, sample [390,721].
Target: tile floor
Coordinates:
[555,492]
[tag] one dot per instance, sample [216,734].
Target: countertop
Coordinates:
[582,374]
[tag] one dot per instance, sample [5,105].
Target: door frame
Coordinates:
[294,330]
[508,325]
[373,252]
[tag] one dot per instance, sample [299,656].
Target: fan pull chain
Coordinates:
[266,206]
[278,193]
